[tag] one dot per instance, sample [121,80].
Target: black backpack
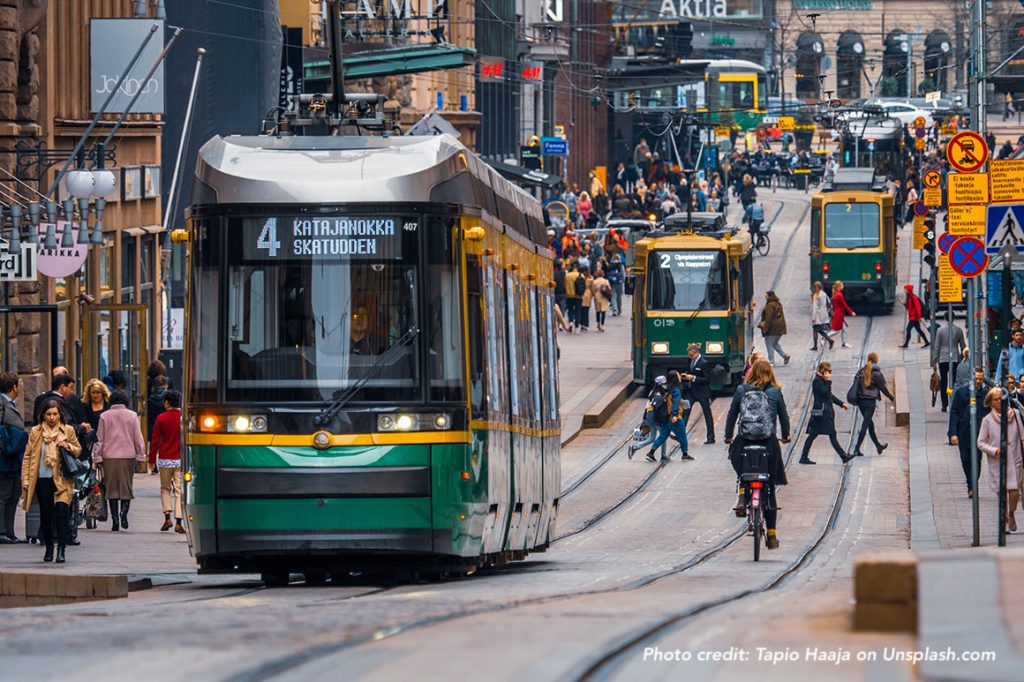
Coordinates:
[660,403]
[580,286]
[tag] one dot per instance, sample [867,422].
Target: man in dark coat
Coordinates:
[61,389]
[698,389]
[10,462]
[823,415]
[959,431]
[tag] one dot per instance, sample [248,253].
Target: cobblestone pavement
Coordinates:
[550,616]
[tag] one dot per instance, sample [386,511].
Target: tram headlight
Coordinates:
[413,422]
[659,348]
[715,347]
[232,423]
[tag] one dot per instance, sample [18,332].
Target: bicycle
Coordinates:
[755,490]
[762,242]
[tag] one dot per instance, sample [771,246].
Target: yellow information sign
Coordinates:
[723,131]
[966,221]
[787,122]
[948,131]
[919,230]
[932,197]
[1007,178]
[967,188]
[951,285]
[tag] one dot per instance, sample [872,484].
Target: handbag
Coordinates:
[71,466]
[935,384]
[854,393]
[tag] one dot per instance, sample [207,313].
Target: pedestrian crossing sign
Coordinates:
[1004,227]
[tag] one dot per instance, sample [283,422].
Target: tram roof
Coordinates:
[341,169]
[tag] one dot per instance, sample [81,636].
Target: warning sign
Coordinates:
[1007,178]
[932,178]
[919,230]
[1005,228]
[967,152]
[966,221]
[967,188]
[932,197]
[951,285]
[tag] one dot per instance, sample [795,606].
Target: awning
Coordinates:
[850,44]
[894,43]
[937,43]
[636,77]
[525,176]
[394,61]
[810,42]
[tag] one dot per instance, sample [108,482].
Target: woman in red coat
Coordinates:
[839,311]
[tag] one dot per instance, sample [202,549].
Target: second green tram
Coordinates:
[853,239]
[692,287]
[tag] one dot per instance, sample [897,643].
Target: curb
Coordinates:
[39,589]
[599,413]
[923,533]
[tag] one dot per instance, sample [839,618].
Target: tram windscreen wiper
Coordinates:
[385,359]
[703,304]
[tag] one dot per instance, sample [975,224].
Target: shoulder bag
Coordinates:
[853,395]
[71,466]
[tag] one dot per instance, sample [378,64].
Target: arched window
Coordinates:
[809,51]
[894,65]
[849,65]
[938,49]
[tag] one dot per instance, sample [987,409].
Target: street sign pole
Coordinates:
[972,307]
[1007,255]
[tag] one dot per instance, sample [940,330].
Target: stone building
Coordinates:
[44,109]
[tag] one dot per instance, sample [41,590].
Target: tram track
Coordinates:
[290,662]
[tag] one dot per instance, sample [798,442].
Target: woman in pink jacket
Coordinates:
[988,442]
[118,446]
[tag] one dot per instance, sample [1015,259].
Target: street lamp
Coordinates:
[86,189]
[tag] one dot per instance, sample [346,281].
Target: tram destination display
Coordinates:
[326,237]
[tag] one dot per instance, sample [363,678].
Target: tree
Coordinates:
[926,86]
[889,87]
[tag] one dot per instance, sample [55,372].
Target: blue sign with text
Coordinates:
[554,146]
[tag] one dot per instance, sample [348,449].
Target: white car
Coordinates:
[904,112]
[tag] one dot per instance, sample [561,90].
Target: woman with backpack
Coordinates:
[823,414]
[602,298]
[868,388]
[821,315]
[746,410]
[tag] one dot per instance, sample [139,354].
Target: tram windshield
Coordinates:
[687,280]
[852,225]
[313,304]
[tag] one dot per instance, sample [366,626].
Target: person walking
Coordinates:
[617,278]
[964,372]
[165,451]
[820,316]
[118,446]
[823,415]
[11,455]
[586,299]
[575,285]
[95,403]
[949,342]
[697,389]
[559,279]
[602,300]
[840,309]
[915,311]
[154,408]
[748,192]
[959,431]
[675,425]
[871,386]
[989,443]
[773,327]
[1015,356]
[42,477]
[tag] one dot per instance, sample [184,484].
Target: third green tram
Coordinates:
[371,373]
[853,238]
[692,286]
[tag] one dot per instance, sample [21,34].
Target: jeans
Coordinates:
[601,315]
[51,512]
[912,326]
[946,369]
[867,426]
[772,344]
[964,446]
[831,439]
[560,302]
[672,428]
[573,311]
[617,289]
[10,491]
[584,316]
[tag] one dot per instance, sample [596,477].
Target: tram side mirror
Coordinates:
[630,285]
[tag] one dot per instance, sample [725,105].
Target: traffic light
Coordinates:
[929,244]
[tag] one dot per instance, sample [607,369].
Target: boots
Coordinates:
[167,523]
[114,518]
[60,554]
[125,504]
[48,555]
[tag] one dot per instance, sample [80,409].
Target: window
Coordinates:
[687,280]
[443,329]
[513,357]
[128,260]
[535,381]
[851,225]
[477,334]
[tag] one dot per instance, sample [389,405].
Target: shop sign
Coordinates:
[174,329]
[834,5]
[17,267]
[112,44]
[60,262]
[690,9]
[492,70]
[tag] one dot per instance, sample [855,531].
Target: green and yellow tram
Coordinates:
[692,287]
[371,373]
[853,237]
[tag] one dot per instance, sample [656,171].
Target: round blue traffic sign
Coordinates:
[967,257]
[920,209]
[946,241]
[921,132]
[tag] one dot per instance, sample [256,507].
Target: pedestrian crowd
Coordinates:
[73,458]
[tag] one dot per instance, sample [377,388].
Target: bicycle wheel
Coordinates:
[756,520]
[764,245]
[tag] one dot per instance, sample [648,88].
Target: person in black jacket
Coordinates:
[823,414]
[959,431]
[871,387]
[559,285]
[62,388]
[10,462]
[698,389]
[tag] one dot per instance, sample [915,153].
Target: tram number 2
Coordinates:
[268,238]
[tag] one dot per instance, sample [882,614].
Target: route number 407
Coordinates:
[268,238]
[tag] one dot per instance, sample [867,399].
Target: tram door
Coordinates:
[115,339]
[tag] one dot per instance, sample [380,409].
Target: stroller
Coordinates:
[86,485]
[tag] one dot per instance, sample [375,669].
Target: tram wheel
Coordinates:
[275,578]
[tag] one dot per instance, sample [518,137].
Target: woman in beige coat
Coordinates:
[988,442]
[588,298]
[602,297]
[42,477]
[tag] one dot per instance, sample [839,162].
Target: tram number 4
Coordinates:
[268,238]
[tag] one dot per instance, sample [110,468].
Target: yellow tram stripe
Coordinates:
[338,440]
